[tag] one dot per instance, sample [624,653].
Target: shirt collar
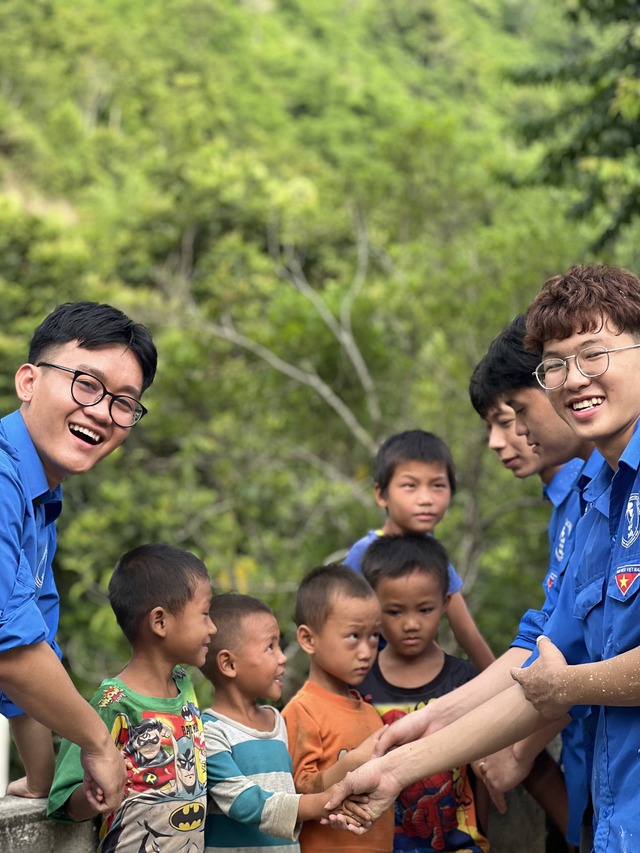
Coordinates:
[563,481]
[18,435]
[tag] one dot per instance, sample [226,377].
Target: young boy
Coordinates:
[586,324]
[252,796]
[414,481]
[410,577]
[79,391]
[161,597]
[331,730]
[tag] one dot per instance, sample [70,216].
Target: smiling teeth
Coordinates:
[95,438]
[586,404]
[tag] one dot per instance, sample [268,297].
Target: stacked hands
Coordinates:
[364,794]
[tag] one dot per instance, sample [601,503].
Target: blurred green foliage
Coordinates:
[307,204]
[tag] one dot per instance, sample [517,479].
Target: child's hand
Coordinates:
[355,810]
[351,815]
[366,750]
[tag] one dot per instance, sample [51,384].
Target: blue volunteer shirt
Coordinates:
[597,618]
[29,606]
[564,494]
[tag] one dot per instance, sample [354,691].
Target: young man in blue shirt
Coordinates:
[79,392]
[586,326]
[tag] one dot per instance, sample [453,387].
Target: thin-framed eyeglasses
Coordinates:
[87,390]
[591,362]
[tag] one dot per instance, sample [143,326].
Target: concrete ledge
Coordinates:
[24,828]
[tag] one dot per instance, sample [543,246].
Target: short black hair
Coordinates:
[227,613]
[397,556]
[413,445]
[153,575]
[94,326]
[483,395]
[318,588]
[507,366]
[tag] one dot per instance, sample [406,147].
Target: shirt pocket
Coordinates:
[588,596]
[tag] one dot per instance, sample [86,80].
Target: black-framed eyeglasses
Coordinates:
[591,362]
[87,390]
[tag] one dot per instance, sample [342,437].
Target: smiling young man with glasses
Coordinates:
[88,365]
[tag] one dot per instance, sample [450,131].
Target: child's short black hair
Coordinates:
[397,556]
[227,612]
[154,575]
[507,366]
[413,445]
[94,326]
[318,588]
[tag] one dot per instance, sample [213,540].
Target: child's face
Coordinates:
[259,661]
[412,607]
[345,649]
[548,435]
[189,631]
[512,449]
[605,408]
[417,497]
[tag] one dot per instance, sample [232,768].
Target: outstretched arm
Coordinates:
[497,723]
[455,704]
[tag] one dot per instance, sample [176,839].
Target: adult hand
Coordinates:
[545,682]
[406,729]
[376,778]
[104,777]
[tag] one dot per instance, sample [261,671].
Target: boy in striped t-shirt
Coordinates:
[253,802]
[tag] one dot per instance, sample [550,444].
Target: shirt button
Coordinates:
[614,538]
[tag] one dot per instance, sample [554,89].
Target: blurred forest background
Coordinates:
[324,210]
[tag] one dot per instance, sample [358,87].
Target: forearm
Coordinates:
[486,685]
[525,751]
[495,724]
[312,806]
[35,747]
[609,682]
[34,678]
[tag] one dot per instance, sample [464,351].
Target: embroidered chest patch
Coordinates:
[631,524]
[565,533]
[627,578]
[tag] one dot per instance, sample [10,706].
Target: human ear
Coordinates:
[158,621]
[447,601]
[304,635]
[25,381]
[226,662]
[379,496]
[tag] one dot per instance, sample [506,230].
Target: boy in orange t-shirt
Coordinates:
[331,729]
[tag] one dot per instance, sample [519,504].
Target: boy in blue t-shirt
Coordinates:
[160,596]
[410,577]
[414,481]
